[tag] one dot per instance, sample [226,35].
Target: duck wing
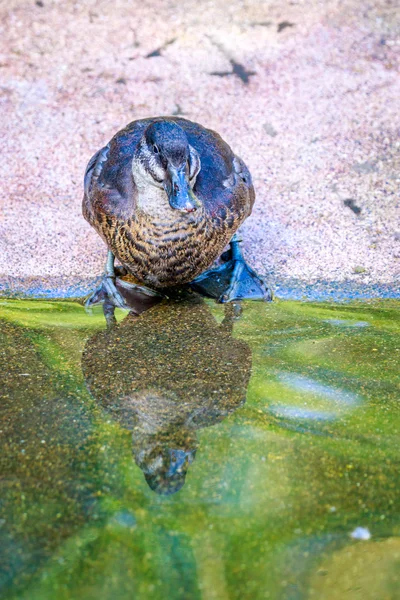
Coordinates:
[109,185]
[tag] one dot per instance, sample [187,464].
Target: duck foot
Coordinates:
[115,292]
[234,280]
[107,293]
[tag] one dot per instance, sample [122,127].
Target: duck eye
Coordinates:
[156,149]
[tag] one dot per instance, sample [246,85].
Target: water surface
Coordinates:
[200,452]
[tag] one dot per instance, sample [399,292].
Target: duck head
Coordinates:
[165,458]
[166,160]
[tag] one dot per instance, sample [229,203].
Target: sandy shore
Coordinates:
[306,92]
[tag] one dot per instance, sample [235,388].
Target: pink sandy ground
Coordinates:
[318,123]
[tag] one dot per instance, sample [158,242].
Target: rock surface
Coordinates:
[306,92]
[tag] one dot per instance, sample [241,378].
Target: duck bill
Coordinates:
[179,192]
[179,461]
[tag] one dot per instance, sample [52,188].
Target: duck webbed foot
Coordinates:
[107,291]
[234,280]
[115,292]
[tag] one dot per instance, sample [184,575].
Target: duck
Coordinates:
[167,196]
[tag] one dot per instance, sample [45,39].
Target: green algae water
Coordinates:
[200,452]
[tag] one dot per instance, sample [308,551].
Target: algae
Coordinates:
[277,475]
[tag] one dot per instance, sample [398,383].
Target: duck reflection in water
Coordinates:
[163,375]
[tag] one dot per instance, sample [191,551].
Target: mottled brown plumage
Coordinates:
[160,246]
